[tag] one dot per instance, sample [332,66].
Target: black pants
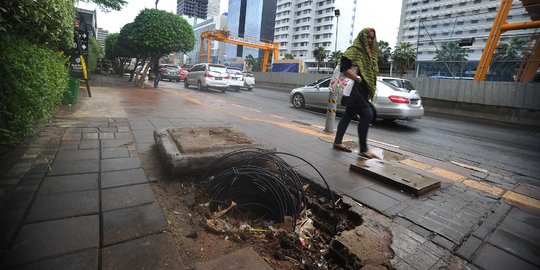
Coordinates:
[365,115]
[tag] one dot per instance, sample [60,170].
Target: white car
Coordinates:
[207,76]
[390,102]
[237,78]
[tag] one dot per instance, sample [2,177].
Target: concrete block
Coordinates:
[64,205]
[399,177]
[126,196]
[189,150]
[490,257]
[86,259]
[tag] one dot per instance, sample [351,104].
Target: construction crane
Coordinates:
[500,25]
[225,36]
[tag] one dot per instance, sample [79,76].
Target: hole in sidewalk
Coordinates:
[255,198]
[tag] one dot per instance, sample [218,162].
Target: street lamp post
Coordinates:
[332,96]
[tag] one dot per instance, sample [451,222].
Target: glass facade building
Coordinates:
[250,19]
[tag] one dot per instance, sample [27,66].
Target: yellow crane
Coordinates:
[500,25]
[225,36]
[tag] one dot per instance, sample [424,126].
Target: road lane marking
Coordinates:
[447,174]
[469,167]
[415,164]
[520,198]
[491,189]
[383,143]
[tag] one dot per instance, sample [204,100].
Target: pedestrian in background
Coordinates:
[158,71]
[362,54]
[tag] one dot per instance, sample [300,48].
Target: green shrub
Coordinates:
[33,81]
[95,51]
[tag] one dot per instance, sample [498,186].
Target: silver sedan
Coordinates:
[390,102]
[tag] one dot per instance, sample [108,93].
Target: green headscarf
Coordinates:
[366,60]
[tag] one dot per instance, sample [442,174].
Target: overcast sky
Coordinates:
[383,15]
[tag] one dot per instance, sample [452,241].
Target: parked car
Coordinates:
[249,80]
[237,78]
[183,72]
[390,102]
[170,72]
[206,75]
[398,82]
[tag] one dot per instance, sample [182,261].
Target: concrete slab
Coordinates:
[123,178]
[244,258]
[69,183]
[126,196]
[188,150]
[399,177]
[40,240]
[151,252]
[129,223]
[63,205]
[81,260]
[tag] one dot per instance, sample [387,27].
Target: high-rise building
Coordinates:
[427,24]
[217,50]
[101,36]
[192,8]
[302,26]
[250,19]
[213,8]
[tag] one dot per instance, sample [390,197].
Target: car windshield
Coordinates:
[248,74]
[407,85]
[234,71]
[317,82]
[220,69]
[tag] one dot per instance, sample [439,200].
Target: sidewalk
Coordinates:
[95,209]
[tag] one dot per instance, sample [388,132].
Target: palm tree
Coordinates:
[506,57]
[384,53]
[250,63]
[288,56]
[404,56]
[320,55]
[259,62]
[450,56]
[335,57]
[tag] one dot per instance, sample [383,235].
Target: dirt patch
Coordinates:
[189,140]
[200,237]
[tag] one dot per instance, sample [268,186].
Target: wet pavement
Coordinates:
[94,206]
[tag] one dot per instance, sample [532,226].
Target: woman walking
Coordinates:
[362,54]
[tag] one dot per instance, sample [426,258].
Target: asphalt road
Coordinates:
[509,150]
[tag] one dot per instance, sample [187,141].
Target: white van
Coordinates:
[206,76]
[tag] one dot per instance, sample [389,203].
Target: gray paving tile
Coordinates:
[490,257]
[69,183]
[373,199]
[113,152]
[123,178]
[151,252]
[468,248]
[126,196]
[63,205]
[74,167]
[118,164]
[129,223]
[50,238]
[511,243]
[114,143]
[89,144]
[392,192]
[80,260]
[443,242]
[71,155]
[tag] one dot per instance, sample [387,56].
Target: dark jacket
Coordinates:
[359,93]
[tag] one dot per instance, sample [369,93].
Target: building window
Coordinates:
[460,23]
[472,31]
[474,21]
[449,6]
[477,1]
[462,4]
[424,10]
[492,9]
[436,8]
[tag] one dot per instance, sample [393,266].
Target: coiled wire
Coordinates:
[261,181]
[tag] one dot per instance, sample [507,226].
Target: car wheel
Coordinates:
[199,85]
[298,101]
[186,84]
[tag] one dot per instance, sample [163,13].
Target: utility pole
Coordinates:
[332,96]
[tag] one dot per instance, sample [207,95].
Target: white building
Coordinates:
[217,48]
[101,36]
[426,24]
[302,26]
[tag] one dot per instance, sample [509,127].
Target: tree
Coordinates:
[506,57]
[320,54]
[95,52]
[385,52]
[335,57]
[157,32]
[404,56]
[107,5]
[288,56]
[250,63]
[450,56]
